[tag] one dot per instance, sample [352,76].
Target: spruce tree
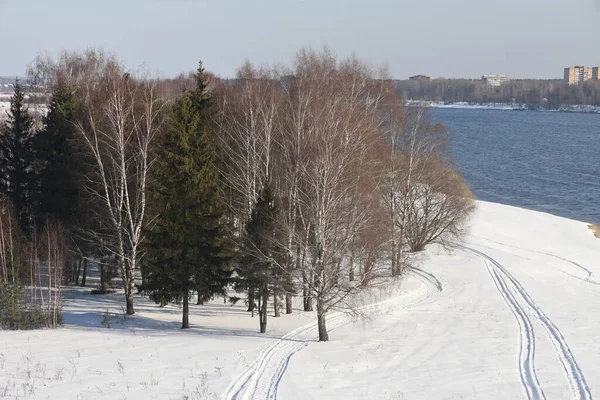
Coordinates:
[188,247]
[17,176]
[56,157]
[259,268]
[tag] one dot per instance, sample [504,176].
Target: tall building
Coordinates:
[495,80]
[596,73]
[578,74]
[421,78]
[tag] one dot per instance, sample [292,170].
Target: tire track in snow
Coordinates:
[261,380]
[572,371]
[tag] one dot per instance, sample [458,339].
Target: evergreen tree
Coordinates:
[259,269]
[17,176]
[188,248]
[56,156]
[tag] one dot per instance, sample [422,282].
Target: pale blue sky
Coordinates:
[451,38]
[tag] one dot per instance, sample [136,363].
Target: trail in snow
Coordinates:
[527,339]
[572,371]
[262,378]
[586,271]
[419,273]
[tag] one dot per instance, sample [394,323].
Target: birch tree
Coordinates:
[249,138]
[119,120]
[428,199]
[336,175]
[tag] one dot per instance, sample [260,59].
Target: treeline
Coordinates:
[551,94]
[33,248]
[312,181]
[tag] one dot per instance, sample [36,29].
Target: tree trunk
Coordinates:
[263,328]
[198,301]
[323,336]
[185,324]
[399,264]
[84,276]
[129,301]
[263,299]
[393,228]
[308,303]
[78,271]
[103,283]
[308,306]
[351,274]
[276,304]
[129,289]
[288,303]
[251,300]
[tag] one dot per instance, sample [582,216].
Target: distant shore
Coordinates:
[584,109]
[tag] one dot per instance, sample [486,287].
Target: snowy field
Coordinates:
[511,314]
[40,109]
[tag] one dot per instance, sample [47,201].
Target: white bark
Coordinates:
[118,129]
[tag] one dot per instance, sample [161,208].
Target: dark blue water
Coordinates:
[545,161]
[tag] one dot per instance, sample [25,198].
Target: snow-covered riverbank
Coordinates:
[510,313]
[505,107]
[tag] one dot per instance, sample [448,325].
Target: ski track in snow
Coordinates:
[427,276]
[527,340]
[574,375]
[261,380]
[588,273]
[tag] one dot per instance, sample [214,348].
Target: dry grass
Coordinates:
[596,229]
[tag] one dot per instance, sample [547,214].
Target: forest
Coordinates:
[312,180]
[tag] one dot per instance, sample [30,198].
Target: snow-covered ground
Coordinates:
[509,314]
[37,109]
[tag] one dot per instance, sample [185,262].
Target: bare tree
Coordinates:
[31,280]
[120,117]
[442,206]
[246,121]
[9,242]
[246,124]
[335,174]
[428,200]
[55,259]
[354,171]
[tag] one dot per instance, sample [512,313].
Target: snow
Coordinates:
[38,109]
[509,313]
[576,108]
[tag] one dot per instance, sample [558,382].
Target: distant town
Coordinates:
[572,76]
[579,86]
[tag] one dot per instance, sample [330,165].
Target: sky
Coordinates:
[441,38]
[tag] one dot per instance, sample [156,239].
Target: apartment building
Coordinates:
[579,74]
[421,78]
[495,80]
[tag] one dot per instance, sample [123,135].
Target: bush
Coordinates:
[18,313]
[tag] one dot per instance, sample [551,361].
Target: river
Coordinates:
[545,161]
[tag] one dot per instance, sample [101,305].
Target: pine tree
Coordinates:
[56,157]
[188,248]
[17,177]
[259,269]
